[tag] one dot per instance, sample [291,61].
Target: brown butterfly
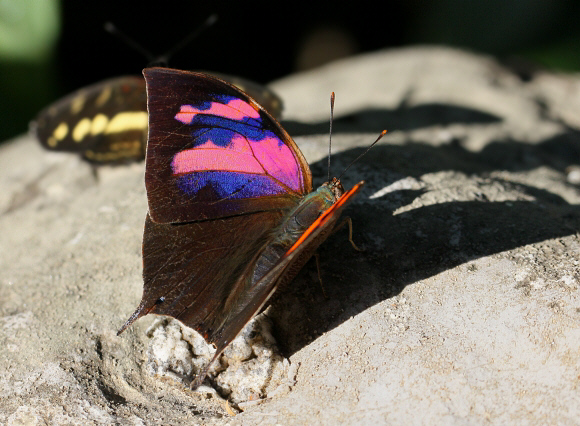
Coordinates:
[232,212]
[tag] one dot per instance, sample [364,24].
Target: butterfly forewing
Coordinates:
[264,96]
[214,152]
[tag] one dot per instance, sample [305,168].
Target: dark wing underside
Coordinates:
[197,272]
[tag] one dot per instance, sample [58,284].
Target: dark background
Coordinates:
[265,41]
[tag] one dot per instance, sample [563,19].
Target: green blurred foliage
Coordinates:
[29,31]
[561,55]
[538,31]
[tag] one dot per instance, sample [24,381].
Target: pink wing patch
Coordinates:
[236,109]
[236,157]
[279,161]
[230,138]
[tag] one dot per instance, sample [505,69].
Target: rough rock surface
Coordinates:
[463,308]
[250,369]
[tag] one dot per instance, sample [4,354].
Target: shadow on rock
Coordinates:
[402,118]
[421,242]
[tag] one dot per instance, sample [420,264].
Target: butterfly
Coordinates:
[232,212]
[107,121]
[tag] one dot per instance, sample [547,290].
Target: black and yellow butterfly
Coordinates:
[107,122]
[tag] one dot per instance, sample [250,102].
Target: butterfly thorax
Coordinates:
[308,210]
[296,223]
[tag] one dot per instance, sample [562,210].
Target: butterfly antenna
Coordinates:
[210,21]
[330,134]
[113,30]
[383,133]
[164,58]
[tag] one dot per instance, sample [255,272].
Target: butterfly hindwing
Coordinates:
[194,279]
[106,122]
[285,268]
[214,152]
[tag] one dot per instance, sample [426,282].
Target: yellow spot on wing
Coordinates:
[77,104]
[99,124]
[60,132]
[103,97]
[51,141]
[124,121]
[81,130]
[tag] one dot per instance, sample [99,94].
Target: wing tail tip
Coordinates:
[199,379]
[139,312]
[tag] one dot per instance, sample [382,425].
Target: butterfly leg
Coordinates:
[347,221]
[95,172]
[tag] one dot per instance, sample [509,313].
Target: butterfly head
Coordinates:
[335,189]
